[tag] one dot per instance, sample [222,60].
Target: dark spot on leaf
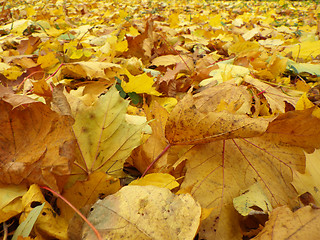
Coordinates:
[102,195]
[35,204]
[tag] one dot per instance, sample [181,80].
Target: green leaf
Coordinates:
[26,226]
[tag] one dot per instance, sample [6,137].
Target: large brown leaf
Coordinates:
[218,112]
[218,171]
[36,143]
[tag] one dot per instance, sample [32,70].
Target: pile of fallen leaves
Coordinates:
[91,92]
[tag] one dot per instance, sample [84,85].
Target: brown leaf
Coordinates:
[36,144]
[143,155]
[28,46]
[218,112]
[285,224]
[275,98]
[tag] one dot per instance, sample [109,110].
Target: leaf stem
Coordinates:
[76,210]
[157,158]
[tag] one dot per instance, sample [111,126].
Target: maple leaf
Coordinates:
[36,143]
[139,84]
[218,171]
[105,138]
[218,112]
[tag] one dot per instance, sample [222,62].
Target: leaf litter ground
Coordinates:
[229,89]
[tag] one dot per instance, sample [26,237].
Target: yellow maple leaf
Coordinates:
[304,103]
[47,60]
[12,73]
[139,84]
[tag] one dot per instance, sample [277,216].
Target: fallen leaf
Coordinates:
[218,112]
[83,193]
[310,180]
[220,170]
[285,224]
[275,97]
[162,180]
[90,70]
[139,84]
[36,144]
[49,224]
[297,128]
[145,212]
[304,50]
[252,200]
[143,155]
[48,60]
[105,138]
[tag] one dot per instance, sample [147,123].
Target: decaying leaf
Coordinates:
[145,212]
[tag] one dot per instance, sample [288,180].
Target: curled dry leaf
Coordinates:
[36,143]
[218,112]
[275,98]
[145,212]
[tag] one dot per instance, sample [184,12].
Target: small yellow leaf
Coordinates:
[163,180]
[121,46]
[12,73]
[174,20]
[49,224]
[304,103]
[139,84]
[48,60]
[77,54]
[133,31]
